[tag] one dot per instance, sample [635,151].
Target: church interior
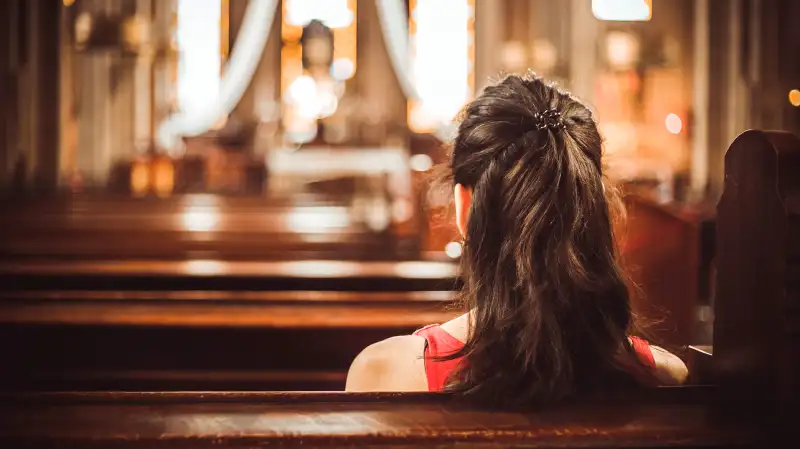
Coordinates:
[208,208]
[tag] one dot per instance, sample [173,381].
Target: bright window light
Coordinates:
[623,10]
[333,13]
[199,40]
[442,36]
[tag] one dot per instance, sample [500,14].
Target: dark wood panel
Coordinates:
[279,310]
[660,248]
[756,321]
[164,358]
[658,418]
[76,326]
[308,226]
[194,340]
[333,275]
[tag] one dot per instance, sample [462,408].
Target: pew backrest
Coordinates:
[757,308]
[670,417]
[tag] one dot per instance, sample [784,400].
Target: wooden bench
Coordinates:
[753,368]
[195,226]
[213,326]
[660,418]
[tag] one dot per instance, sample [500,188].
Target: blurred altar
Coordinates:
[340,108]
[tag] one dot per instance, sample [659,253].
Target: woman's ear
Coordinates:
[463,199]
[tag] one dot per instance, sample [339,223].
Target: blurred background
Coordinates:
[218,174]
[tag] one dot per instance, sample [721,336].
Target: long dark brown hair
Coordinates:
[550,301]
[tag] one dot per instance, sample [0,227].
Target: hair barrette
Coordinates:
[549,119]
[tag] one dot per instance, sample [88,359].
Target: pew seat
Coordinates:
[659,418]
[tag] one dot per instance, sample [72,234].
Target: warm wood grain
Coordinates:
[309,226]
[263,315]
[222,275]
[214,340]
[668,418]
[411,269]
[262,309]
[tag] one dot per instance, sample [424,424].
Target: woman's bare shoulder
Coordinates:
[394,364]
[670,369]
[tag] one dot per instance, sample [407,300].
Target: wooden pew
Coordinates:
[662,418]
[202,292]
[195,226]
[753,367]
[757,309]
[226,326]
[660,246]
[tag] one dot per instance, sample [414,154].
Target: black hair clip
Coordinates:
[549,119]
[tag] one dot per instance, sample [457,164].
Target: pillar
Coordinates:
[700,107]
[489,39]
[585,33]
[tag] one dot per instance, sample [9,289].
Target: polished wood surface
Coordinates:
[197,226]
[657,418]
[200,274]
[296,310]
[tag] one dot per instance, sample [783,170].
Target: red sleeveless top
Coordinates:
[439,343]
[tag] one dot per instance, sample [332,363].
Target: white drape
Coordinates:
[247,53]
[394,24]
[244,59]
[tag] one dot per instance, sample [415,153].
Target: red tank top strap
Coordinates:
[439,343]
[643,351]
[644,371]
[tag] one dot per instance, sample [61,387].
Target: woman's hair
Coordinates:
[550,302]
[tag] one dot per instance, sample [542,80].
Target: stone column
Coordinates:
[377,85]
[586,31]
[238,9]
[45,138]
[265,86]
[142,132]
[6,91]
[488,41]
[164,89]
[700,106]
